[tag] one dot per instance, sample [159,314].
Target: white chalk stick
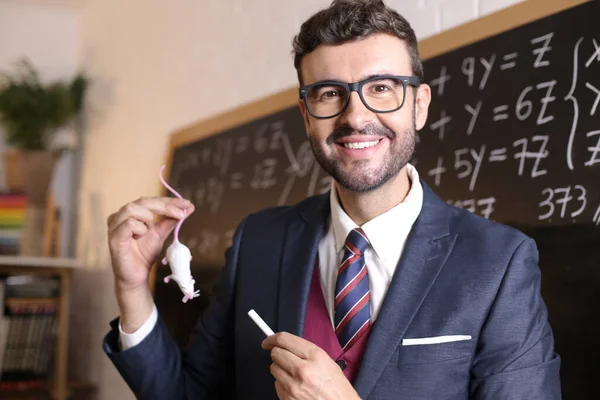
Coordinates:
[261,324]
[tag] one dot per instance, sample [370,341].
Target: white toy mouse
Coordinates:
[179,257]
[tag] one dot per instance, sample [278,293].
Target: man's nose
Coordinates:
[356,115]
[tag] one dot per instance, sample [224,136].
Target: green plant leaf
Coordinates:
[31,111]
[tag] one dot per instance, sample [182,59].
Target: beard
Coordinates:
[361,178]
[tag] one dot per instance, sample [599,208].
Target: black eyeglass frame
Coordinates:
[357,87]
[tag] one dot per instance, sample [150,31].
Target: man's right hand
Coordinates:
[136,235]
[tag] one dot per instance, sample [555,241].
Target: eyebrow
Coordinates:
[363,78]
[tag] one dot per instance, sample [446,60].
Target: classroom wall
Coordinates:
[157,68]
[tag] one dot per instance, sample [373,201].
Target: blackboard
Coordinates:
[514,126]
[267,162]
[513,134]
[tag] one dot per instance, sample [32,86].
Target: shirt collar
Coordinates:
[380,230]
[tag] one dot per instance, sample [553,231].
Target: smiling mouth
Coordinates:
[360,145]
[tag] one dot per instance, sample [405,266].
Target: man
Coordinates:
[378,289]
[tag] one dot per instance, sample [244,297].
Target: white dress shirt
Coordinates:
[387,234]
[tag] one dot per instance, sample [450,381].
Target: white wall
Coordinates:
[46,32]
[157,66]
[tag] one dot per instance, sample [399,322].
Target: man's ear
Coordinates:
[305,116]
[422,105]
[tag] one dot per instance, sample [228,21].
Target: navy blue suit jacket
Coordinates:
[458,275]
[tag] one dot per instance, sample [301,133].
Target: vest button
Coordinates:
[342,364]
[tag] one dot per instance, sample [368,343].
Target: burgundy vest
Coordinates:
[318,330]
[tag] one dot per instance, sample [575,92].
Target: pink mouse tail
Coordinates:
[176,234]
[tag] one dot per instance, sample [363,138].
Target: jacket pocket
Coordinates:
[435,353]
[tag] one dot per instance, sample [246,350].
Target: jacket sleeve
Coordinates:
[515,358]
[157,369]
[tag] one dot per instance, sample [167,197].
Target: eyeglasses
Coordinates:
[380,94]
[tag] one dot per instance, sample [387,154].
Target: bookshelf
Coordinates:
[60,268]
[53,380]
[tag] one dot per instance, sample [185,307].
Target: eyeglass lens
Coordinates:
[381,95]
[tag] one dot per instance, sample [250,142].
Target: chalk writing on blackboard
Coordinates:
[521,114]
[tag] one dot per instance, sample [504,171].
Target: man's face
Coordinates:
[361,149]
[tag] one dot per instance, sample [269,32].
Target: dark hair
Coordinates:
[348,20]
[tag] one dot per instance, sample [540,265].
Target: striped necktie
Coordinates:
[352,294]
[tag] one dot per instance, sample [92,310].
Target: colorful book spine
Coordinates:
[13,208]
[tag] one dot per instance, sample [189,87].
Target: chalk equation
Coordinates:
[267,170]
[468,161]
[539,101]
[523,114]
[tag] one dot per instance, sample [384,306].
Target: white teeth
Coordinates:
[360,145]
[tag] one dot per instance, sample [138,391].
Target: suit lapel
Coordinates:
[300,252]
[427,248]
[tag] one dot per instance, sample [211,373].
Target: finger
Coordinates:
[165,226]
[128,229]
[168,206]
[286,360]
[281,391]
[145,209]
[281,375]
[294,344]
[130,210]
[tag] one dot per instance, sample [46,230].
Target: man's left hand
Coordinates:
[304,371]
